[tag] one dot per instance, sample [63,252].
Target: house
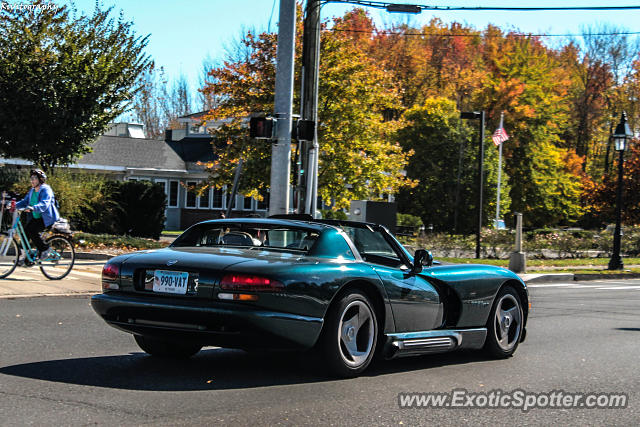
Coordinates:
[123,153]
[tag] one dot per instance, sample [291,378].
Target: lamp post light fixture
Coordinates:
[621,138]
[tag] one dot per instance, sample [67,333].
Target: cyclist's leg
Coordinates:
[33,229]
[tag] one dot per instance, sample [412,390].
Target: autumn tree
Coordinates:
[601,196]
[529,86]
[63,78]
[358,159]
[590,82]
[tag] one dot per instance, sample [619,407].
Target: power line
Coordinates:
[394,33]
[420,7]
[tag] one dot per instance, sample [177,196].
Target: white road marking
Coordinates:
[612,286]
[34,274]
[550,285]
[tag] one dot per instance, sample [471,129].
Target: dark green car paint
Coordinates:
[458,295]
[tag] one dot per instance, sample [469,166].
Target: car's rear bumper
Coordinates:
[207,322]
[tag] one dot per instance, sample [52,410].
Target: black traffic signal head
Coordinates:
[261,127]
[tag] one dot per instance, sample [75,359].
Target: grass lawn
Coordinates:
[172,233]
[585,271]
[577,262]
[108,241]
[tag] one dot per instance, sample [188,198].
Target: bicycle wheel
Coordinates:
[8,257]
[60,262]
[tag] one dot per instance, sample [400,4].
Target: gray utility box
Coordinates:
[382,213]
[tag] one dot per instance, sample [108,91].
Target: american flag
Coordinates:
[499,136]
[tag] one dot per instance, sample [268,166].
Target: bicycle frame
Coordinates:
[24,241]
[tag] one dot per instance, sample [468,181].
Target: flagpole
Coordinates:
[499,172]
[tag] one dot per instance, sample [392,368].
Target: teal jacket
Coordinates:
[46,204]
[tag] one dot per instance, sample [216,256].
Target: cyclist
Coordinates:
[40,211]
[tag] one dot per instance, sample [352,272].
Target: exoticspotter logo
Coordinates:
[515,399]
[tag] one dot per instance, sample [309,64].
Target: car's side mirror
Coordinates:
[421,258]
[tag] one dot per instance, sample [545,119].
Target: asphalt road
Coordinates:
[60,364]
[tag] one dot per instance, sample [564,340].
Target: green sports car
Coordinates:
[347,289]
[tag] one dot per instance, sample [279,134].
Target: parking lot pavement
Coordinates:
[84,278]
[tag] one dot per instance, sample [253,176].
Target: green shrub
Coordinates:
[408,220]
[9,176]
[134,208]
[330,214]
[142,206]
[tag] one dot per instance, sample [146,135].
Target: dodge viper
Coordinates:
[348,290]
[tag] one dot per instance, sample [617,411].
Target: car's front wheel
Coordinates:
[505,325]
[163,348]
[350,335]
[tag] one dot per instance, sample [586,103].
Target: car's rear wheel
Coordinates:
[350,334]
[504,328]
[164,348]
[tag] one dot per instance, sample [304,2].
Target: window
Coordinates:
[218,198]
[264,204]
[190,202]
[373,247]
[204,201]
[247,203]
[249,235]
[173,194]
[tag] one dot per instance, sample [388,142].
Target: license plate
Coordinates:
[170,282]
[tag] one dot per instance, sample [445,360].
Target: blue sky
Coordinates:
[183,33]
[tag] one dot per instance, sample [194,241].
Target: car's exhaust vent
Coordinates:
[435,343]
[426,345]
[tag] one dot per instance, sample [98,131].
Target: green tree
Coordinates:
[63,78]
[445,163]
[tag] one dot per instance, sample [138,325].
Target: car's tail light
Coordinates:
[110,275]
[244,282]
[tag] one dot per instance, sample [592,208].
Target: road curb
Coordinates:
[596,276]
[547,278]
[570,277]
[97,256]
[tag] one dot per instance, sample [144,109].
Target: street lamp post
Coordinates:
[620,140]
[478,115]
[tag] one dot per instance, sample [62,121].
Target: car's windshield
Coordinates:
[248,235]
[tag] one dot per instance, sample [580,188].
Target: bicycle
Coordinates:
[55,267]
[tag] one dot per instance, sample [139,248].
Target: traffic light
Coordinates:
[304,130]
[265,128]
[261,127]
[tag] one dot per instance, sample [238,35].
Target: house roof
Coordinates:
[193,149]
[133,152]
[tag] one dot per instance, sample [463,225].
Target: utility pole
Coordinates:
[281,150]
[308,180]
